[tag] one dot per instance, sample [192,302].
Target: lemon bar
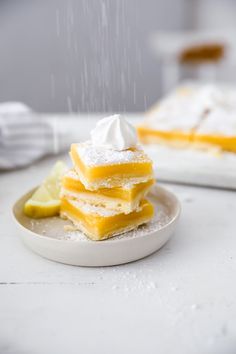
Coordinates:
[218,129]
[123,199]
[99,167]
[195,115]
[100,223]
[173,119]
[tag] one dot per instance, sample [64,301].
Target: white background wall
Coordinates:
[93,55]
[86,55]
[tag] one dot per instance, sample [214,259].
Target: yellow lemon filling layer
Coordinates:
[227,143]
[151,136]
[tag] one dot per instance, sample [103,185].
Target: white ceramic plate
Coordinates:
[47,237]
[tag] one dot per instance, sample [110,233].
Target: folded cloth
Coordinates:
[26,137]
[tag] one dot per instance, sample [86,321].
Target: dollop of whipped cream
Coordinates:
[114,133]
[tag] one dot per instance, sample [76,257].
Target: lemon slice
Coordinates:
[53,181]
[45,201]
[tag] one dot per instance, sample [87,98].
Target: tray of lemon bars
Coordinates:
[191,135]
[104,210]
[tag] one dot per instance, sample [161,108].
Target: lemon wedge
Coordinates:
[45,201]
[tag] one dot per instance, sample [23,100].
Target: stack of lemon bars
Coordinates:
[104,194]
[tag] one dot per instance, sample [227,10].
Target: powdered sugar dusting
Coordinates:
[99,156]
[176,112]
[211,109]
[221,121]
[72,174]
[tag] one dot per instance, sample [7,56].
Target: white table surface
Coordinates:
[181,299]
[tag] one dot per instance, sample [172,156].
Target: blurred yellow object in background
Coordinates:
[195,114]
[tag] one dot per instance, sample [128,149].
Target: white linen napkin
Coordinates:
[26,137]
